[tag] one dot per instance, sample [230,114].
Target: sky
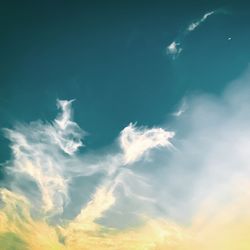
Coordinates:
[124,125]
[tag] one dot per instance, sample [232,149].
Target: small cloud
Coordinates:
[194,25]
[174,49]
[65,132]
[181,109]
[135,142]
[40,150]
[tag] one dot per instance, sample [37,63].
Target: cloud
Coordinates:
[135,142]
[183,107]
[101,201]
[44,158]
[194,25]
[38,149]
[211,157]
[175,47]
[193,197]
[66,133]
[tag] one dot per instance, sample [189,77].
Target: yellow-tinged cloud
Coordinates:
[226,227]
[38,234]
[15,218]
[197,182]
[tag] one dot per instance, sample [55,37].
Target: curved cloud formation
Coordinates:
[135,142]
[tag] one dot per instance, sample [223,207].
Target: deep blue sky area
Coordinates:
[111,57]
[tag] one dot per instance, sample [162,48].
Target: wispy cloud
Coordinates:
[44,154]
[194,25]
[135,142]
[175,48]
[182,108]
[66,133]
[38,150]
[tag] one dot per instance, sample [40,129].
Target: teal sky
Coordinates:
[111,57]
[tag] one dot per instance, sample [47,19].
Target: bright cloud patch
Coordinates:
[38,150]
[174,49]
[66,133]
[136,142]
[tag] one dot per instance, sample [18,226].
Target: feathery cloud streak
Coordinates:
[175,48]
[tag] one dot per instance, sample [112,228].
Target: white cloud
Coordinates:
[66,133]
[43,153]
[183,107]
[174,49]
[136,142]
[194,25]
[38,150]
[212,158]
